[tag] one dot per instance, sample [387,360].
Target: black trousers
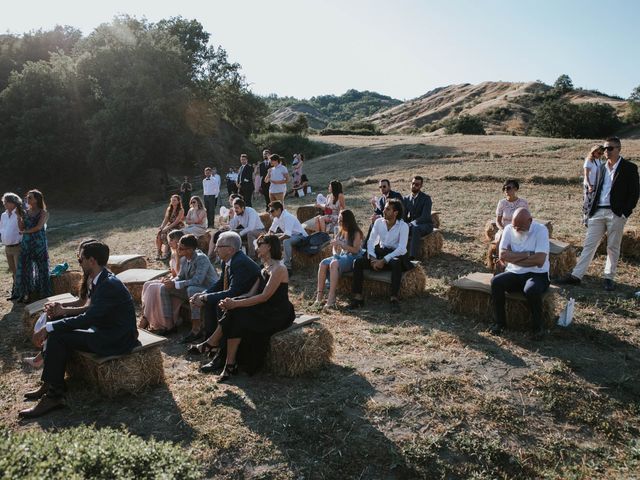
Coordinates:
[57,354]
[265,194]
[247,192]
[210,202]
[397,265]
[415,238]
[532,285]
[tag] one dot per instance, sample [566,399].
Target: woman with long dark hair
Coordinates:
[32,274]
[347,247]
[173,220]
[332,207]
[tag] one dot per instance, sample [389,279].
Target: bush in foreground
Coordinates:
[465,124]
[86,452]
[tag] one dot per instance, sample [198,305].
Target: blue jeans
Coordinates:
[288,245]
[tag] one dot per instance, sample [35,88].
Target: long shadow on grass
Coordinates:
[319,425]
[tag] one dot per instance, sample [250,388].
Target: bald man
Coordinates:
[524,248]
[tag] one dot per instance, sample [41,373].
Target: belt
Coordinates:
[605,206]
[14,245]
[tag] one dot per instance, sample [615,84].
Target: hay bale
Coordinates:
[431,245]
[548,224]
[301,260]
[435,219]
[68,282]
[629,245]
[120,263]
[266,220]
[297,351]
[306,212]
[33,310]
[135,278]
[203,241]
[131,373]
[471,296]
[492,255]
[377,284]
[562,258]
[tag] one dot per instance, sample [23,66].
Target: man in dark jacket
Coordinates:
[107,328]
[616,196]
[417,207]
[245,179]
[378,203]
[264,167]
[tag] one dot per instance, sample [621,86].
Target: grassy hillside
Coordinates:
[423,394]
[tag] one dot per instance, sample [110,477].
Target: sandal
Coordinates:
[200,348]
[230,369]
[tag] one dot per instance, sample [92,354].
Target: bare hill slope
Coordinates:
[505,106]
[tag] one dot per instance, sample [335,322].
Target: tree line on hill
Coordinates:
[104,109]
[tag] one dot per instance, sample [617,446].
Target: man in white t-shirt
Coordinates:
[524,248]
[210,191]
[287,228]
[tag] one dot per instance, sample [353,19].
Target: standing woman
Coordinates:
[196,219]
[32,274]
[347,247]
[591,170]
[173,220]
[277,177]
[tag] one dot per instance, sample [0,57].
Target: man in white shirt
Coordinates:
[211,190]
[247,223]
[386,250]
[524,248]
[9,230]
[616,196]
[287,228]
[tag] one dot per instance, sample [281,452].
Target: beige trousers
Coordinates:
[12,253]
[603,221]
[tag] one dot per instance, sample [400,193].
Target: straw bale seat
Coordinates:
[471,295]
[303,347]
[629,246]
[266,220]
[435,218]
[130,373]
[134,278]
[376,284]
[491,228]
[562,258]
[120,263]
[302,260]
[431,245]
[33,310]
[68,282]
[307,212]
[203,241]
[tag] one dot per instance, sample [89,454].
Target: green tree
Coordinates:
[465,124]
[634,106]
[563,84]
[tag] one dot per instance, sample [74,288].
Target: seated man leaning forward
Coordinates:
[287,228]
[196,275]
[239,273]
[108,327]
[386,250]
[246,221]
[524,248]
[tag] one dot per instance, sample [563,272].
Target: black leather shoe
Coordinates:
[38,393]
[355,303]
[44,406]
[569,280]
[538,335]
[394,306]
[495,329]
[214,365]
[609,285]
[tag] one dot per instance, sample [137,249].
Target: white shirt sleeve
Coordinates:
[373,239]
[505,241]
[542,240]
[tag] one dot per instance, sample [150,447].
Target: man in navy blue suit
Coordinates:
[239,273]
[107,328]
[417,213]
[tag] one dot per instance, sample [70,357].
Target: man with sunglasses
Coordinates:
[417,208]
[616,196]
[107,328]
[379,203]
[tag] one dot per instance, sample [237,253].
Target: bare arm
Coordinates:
[278,275]
[499,222]
[43,219]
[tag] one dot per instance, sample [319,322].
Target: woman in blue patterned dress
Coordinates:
[32,275]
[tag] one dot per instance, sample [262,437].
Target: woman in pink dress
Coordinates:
[152,315]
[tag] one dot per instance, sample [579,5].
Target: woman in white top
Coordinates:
[331,209]
[196,219]
[591,165]
[278,177]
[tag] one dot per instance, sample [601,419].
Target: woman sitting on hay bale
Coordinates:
[56,310]
[347,247]
[331,207]
[196,218]
[153,318]
[254,317]
[173,219]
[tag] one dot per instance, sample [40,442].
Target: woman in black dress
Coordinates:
[263,311]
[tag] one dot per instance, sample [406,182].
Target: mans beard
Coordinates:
[519,238]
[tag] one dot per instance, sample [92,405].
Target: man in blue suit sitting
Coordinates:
[417,213]
[107,328]
[239,273]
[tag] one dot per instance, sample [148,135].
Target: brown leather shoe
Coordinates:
[44,406]
[37,394]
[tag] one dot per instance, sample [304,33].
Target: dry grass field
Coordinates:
[421,394]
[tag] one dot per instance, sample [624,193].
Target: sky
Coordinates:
[400,48]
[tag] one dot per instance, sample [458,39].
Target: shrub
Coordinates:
[85,452]
[286,144]
[344,131]
[559,118]
[465,124]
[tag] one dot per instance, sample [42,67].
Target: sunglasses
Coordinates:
[382,187]
[507,188]
[609,149]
